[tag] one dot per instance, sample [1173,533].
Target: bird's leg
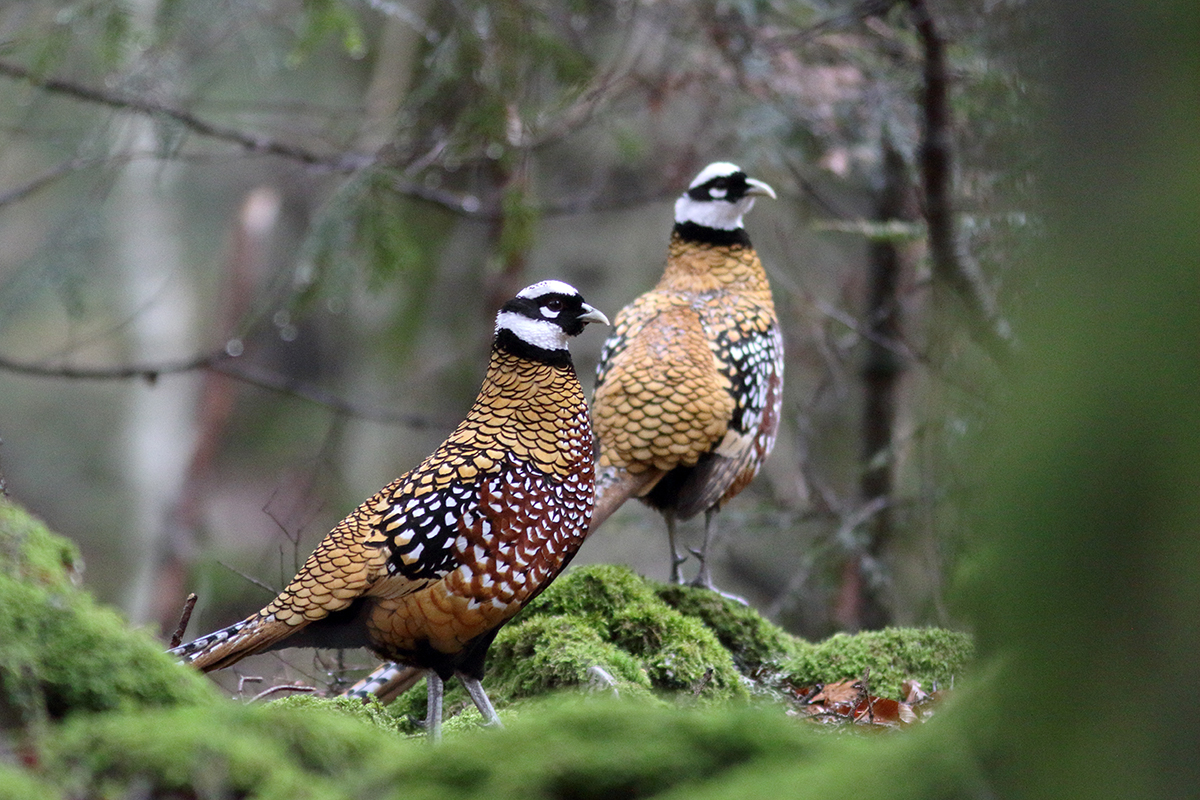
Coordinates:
[704,576]
[676,559]
[433,711]
[475,689]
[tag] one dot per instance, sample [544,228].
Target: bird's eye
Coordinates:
[555,305]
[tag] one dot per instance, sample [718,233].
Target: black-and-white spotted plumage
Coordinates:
[429,568]
[689,388]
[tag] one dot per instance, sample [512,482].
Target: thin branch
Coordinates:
[949,265]
[249,578]
[47,178]
[222,363]
[896,346]
[463,204]
[184,618]
[72,165]
[148,372]
[861,11]
[253,143]
[284,687]
[284,384]
[244,679]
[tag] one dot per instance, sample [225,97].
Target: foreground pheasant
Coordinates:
[690,382]
[427,571]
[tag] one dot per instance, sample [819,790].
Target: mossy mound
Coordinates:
[605,628]
[598,747]
[104,712]
[372,712]
[222,750]
[752,640]
[60,652]
[601,627]
[894,655]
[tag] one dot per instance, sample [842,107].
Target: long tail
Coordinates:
[614,486]
[227,646]
[387,682]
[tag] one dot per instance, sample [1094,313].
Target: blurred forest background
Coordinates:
[252,251]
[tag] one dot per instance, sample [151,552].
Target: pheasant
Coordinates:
[690,382]
[689,386]
[426,572]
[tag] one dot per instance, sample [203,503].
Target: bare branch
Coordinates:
[78,164]
[184,618]
[47,178]
[288,385]
[244,679]
[286,687]
[148,372]
[250,143]
[249,578]
[222,363]
[463,204]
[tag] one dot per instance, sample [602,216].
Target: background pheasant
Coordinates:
[689,386]
[427,571]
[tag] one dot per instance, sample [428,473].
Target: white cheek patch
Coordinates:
[537,332]
[719,214]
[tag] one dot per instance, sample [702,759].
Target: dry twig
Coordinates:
[184,618]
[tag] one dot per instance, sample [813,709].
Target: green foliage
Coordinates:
[60,653]
[48,39]
[323,19]
[495,72]
[519,222]
[368,234]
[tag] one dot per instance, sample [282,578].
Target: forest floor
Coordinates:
[608,685]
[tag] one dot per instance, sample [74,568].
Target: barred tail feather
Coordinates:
[227,646]
[614,486]
[387,682]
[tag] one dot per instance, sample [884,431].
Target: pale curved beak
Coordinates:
[593,315]
[759,189]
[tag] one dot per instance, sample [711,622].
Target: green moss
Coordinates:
[372,712]
[929,655]
[60,652]
[675,651]
[595,593]
[222,750]
[678,652]
[132,720]
[31,553]
[17,784]
[568,747]
[751,639]
[554,651]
